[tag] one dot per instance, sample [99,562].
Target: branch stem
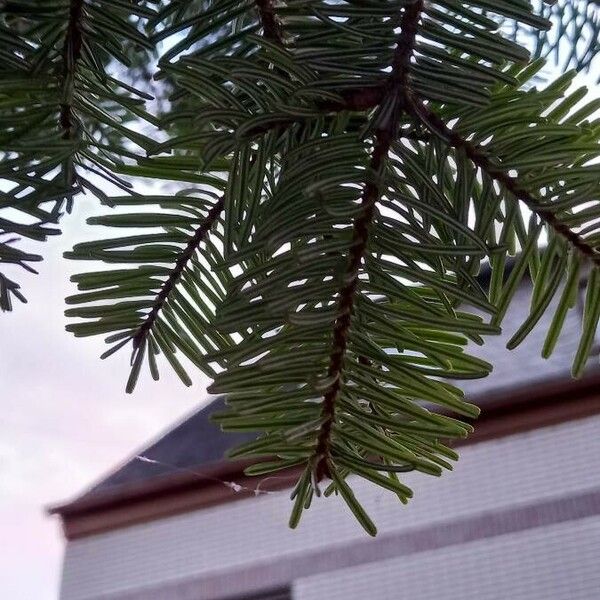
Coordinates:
[169,283]
[383,136]
[71,53]
[478,156]
[271,26]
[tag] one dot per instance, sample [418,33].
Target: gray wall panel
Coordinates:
[560,562]
[495,476]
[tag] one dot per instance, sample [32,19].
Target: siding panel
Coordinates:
[555,563]
[517,471]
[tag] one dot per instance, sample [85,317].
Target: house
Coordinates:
[518,519]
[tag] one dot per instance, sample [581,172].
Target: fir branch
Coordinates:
[271,31]
[355,99]
[190,249]
[478,156]
[271,26]
[70,56]
[384,135]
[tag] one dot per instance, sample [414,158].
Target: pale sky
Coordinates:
[65,419]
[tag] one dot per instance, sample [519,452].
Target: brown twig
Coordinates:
[478,156]
[71,53]
[271,26]
[384,135]
[271,31]
[168,285]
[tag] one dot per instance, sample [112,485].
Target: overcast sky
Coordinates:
[65,419]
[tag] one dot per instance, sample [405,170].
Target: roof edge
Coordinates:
[177,481]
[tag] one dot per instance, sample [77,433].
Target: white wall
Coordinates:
[559,562]
[197,547]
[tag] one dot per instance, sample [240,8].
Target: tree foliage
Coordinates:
[343,171]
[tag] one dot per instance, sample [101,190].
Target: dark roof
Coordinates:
[193,442]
